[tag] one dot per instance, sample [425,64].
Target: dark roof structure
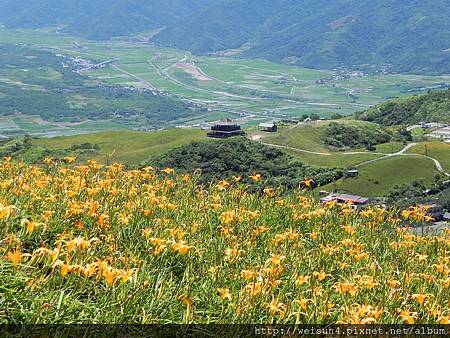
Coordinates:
[225,130]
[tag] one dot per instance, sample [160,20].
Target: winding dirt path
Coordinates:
[316,152]
[398,153]
[402,152]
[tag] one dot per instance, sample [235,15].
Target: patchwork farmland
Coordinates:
[255,90]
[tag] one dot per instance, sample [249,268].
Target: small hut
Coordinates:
[351,173]
[268,127]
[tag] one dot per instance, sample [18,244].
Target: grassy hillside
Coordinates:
[103,245]
[434,106]
[332,136]
[378,178]
[128,147]
[332,160]
[437,150]
[343,136]
[308,144]
[307,137]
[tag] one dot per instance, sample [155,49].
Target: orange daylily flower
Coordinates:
[224,293]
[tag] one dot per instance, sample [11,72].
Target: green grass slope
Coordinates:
[332,160]
[312,136]
[378,178]
[306,137]
[438,150]
[129,147]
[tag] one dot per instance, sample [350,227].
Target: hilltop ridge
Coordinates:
[434,107]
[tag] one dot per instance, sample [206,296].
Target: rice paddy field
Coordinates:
[100,244]
[34,125]
[256,89]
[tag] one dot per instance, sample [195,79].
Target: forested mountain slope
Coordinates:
[99,19]
[411,36]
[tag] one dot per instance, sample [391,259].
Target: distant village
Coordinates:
[79,65]
[341,75]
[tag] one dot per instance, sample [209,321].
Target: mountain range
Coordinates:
[99,19]
[411,36]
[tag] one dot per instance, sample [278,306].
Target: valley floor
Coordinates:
[250,90]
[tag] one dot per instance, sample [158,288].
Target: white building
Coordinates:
[443,134]
[432,125]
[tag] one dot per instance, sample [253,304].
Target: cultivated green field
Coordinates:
[378,178]
[128,147]
[34,125]
[227,86]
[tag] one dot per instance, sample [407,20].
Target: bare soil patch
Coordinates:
[195,72]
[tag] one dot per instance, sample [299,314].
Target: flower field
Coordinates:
[99,244]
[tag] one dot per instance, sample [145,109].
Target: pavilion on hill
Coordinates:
[226,129]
